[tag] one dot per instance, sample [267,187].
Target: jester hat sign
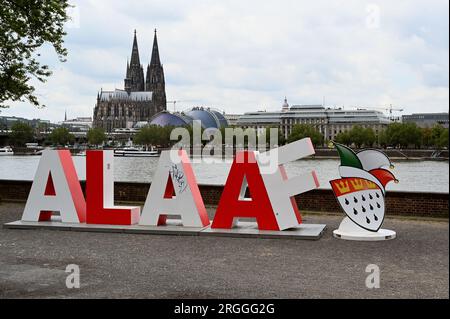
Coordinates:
[361,192]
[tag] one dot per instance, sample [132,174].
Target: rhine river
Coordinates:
[423,176]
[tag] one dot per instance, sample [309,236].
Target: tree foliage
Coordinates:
[96,136]
[343,138]
[25,26]
[358,135]
[61,136]
[439,136]
[21,133]
[300,131]
[396,135]
[443,139]
[402,135]
[153,135]
[427,138]
[281,139]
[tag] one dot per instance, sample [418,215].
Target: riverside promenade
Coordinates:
[114,265]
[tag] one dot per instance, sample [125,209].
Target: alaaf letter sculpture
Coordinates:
[360,192]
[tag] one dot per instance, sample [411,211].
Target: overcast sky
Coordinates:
[242,56]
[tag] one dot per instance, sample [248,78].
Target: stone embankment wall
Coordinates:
[320,200]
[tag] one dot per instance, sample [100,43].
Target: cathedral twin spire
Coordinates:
[135,52]
[155,52]
[134,80]
[121,110]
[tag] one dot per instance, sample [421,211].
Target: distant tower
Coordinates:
[155,78]
[134,79]
[65,115]
[141,98]
[285,106]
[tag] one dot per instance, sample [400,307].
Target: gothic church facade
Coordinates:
[141,98]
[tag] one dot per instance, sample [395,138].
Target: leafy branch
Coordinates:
[25,26]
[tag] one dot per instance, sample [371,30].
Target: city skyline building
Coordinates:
[140,99]
[425,120]
[328,121]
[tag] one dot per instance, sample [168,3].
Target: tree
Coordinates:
[300,131]
[403,135]
[443,139]
[21,133]
[427,138]
[383,139]
[438,133]
[153,135]
[393,134]
[357,135]
[96,136]
[411,134]
[144,136]
[190,129]
[164,135]
[61,136]
[369,137]
[25,26]
[439,136]
[280,136]
[343,138]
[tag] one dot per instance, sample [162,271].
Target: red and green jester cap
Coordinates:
[350,158]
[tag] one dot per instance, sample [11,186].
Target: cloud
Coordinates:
[247,55]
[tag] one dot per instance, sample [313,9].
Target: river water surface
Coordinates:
[424,176]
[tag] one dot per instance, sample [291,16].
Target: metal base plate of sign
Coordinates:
[174,227]
[250,229]
[382,234]
[350,231]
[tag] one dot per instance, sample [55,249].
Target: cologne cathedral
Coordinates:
[141,98]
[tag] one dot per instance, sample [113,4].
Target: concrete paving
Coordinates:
[119,265]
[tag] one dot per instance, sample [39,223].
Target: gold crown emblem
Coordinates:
[371,185]
[343,187]
[357,184]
